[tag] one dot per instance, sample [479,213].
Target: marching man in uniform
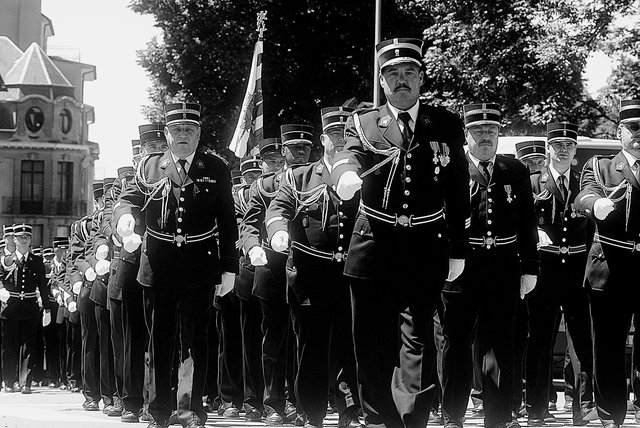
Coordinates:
[181,196]
[502,266]
[407,160]
[610,196]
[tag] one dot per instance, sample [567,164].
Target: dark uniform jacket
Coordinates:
[22,279]
[244,281]
[615,251]
[179,246]
[404,221]
[319,225]
[503,224]
[78,265]
[567,229]
[269,280]
[96,238]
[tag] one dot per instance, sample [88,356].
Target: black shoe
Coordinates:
[155,424]
[349,419]
[435,417]
[453,424]
[610,425]
[553,407]
[74,389]
[117,407]
[478,409]
[568,404]
[273,418]
[310,425]
[144,414]
[129,417]
[301,420]
[548,417]
[512,424]
[290,413]
[194,424]
[108,408]
[253,416]
[231,412]
[53,385]
[25,390]
[173,419]
[535,422]
[330,409]
[589,414]
[8,390]
[91,406]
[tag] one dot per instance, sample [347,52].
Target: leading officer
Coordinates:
[406,158]
[181,196]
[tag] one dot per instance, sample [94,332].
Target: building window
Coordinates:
[65,184]
[37,232]
[31,190]
[65,121]
[62,231]
[34,119]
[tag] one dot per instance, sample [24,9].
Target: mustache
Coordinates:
[485,143]
[401,86]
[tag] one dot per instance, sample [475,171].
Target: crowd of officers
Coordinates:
[387,281]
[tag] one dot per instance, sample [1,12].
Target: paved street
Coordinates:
[48,408]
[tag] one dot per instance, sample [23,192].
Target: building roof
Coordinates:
[9,54]
[35,68]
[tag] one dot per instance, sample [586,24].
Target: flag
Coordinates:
[249,128]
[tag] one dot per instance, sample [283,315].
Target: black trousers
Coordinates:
[51,336]
[635,363]
[494,313]
[520,343]
[230,351]
[116,325]
[18,350]
[211,387]
[73,354]
[90,356]
[324,335]
[544,312]
[395,364]
[250,319]
[275,331]
[185,314]
[105,349]
[135,343]
[611,313]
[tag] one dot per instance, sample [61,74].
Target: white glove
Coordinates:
[90,274]
[228,280]
[602,207]
[4,295]
[280,241]
[126,224]
[257,256]
[102,252]
[59,300]
[77,286]
[131,242]
[456,266]
[348,184]
[543,239]
[102,267]
[73,306]
[55,292]
[46,318]
[527,284]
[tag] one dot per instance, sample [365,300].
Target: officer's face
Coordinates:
[629,135]
[272,162]
[159,146]
[60,253]
[332,141]
[482,140]
[535,163]
[562,152]
[250,176]
[296,154]
[182,138]
[401,84]
[22,242]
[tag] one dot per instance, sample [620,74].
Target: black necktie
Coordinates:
[485,169]
[562,187]
[407,133]
[183,169]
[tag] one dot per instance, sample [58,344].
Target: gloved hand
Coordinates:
[102,267]
[77,286]
[257,256]
[280,241]
[602,207]
[72,307]
[132,242]
[102,252]
[4,295]
[543,239]
[348,184]
[456,266]
[527,284]
[55,292]
[90,274]
[126,224]
[46,318]
[228,281]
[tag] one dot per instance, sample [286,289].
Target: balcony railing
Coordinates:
[18,206]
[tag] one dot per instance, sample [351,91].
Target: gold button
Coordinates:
[179,230]
[339,248]
[341,236]
[408,167]
[407,193]
[564,239]
[489,233]
[340,213]
[183,189]
[179,220]
[489,222]
[489,210]
[341,224]
[405,206]
[181,199]
[409,155]
[180,209]
[408,179]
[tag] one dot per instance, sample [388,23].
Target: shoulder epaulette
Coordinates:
[209,152]
[365,110]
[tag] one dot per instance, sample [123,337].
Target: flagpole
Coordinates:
[376,84]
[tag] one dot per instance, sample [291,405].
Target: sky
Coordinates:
[107,34]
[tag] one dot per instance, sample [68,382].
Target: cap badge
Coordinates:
[301,135]
[484,116]
[564,132]
[397,51]
[184,115]
[158,134]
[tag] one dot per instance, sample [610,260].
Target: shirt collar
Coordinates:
[189,160]
[21,256]
[476,161]
[326,164]
[630,158]
[555,174]
[413,112]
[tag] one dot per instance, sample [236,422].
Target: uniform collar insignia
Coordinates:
[165,164]
[620,166]
[426,120]
[200,164]
[544,177]
[501,165]
[319,169]
[384,121]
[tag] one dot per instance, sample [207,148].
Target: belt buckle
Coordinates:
[339,256]
[489,241]
[563,250]
[637,246]
[179,239]
[21,295]
[403,220]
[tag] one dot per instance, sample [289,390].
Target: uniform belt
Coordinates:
[564,249]
[22,295]
[625,245]
[402,219]
[179,238]
[337,256]
[492,241]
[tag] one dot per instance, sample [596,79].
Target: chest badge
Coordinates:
[507,188]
